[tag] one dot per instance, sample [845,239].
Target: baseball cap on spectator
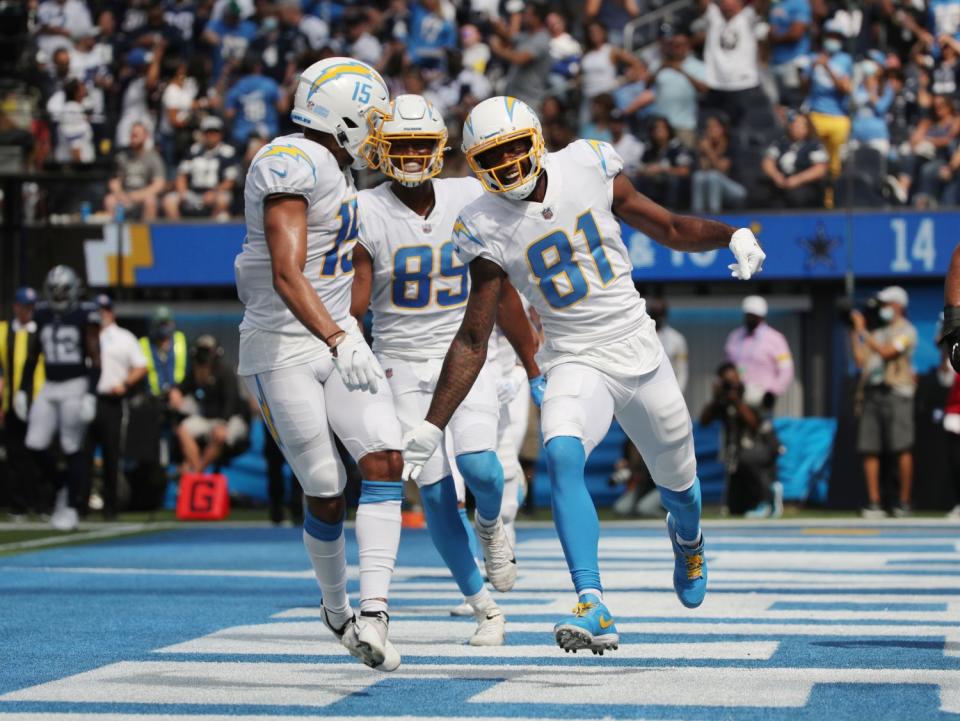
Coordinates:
[138,57]
[835,27]
[666,31]
[25,296]
[211,122]
[755,305]
[104,301]
[894,294]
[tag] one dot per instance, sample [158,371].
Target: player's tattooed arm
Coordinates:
[685,233]
[468,350]
[285,225]
[513,321]
[362,283]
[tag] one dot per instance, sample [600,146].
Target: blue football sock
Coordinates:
[449,535]
[471,534]
[483,475]
[574,514]
[684,506]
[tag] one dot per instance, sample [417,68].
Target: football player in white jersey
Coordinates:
[301,354]
[406,266]
[550,223]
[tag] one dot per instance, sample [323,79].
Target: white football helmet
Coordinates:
[497,121]
[412,117]
[349,100]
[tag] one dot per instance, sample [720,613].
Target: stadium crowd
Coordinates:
[713,105]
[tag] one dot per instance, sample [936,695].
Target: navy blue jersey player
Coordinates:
[68,336]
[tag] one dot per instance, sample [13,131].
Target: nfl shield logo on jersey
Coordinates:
[547,213]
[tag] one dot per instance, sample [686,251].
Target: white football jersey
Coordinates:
[420,285]
[270,335]
[566,257]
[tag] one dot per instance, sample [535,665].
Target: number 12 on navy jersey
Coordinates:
[560,277]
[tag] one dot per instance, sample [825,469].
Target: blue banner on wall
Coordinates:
[798,246]
[815,246]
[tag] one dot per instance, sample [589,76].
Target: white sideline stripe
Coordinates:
[108,532]
[440,638]
[283,684]
[32,716]
[107,571]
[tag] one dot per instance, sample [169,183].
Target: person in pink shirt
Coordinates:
[760,353]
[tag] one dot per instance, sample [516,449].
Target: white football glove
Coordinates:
[88,407]
[418,445]
[749,254]
[21,405]
[357,364]
[506,389]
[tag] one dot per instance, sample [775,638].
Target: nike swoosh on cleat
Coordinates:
[605,623]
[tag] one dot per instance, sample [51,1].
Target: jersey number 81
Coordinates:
[561,279]
[412,281]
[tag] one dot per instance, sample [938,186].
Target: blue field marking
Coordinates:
[854,606]
[63,615]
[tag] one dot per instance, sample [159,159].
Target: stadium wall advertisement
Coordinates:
[813,246]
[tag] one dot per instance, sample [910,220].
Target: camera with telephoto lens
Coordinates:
[870,310]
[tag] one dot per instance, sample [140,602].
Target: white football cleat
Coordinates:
[370,644]
[464,609]
[498,557]
[491,628]
[65,519]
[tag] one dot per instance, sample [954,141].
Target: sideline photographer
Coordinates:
[885,395]
[750,446]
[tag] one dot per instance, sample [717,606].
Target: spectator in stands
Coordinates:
[830,87]
[157,31]
[873,97]
[599,64]
[177,107]
[565,51]
[598,127]
[214,415]
[929,145]
[139,80]
[22,479]
[476,53]
[885,395]
[431,34]
[295,25]
[253,104]
[627,145]
[730,53]
[677,84]
[761,355]
[949,182]
[123,366]
[361,43]
[790,40]
[139,179]
[612,14]
[796,167]
[634,96]
[749,448]
[228,37]
[674,344]
[57,76]
[943,23]
[58,20]
[90,62]
[74,131]
[528,56]
[278,48]
[667,165]
[713,189]
[206,179]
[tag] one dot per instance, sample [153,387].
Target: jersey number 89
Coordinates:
[561,279]
[412,271]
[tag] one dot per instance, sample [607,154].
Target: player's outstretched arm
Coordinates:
[468,350]
[513,321]
[362,286]
[465,358]
[686,233]
[285,225]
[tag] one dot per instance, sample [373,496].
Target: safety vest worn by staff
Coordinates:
[13,355]
[179,350]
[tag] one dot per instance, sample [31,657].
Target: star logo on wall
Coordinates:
[819,248]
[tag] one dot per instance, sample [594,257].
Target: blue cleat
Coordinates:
[689,569]
[591,626]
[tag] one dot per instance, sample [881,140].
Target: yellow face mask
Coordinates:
[508,174]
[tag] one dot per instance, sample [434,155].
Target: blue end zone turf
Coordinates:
[800,624]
